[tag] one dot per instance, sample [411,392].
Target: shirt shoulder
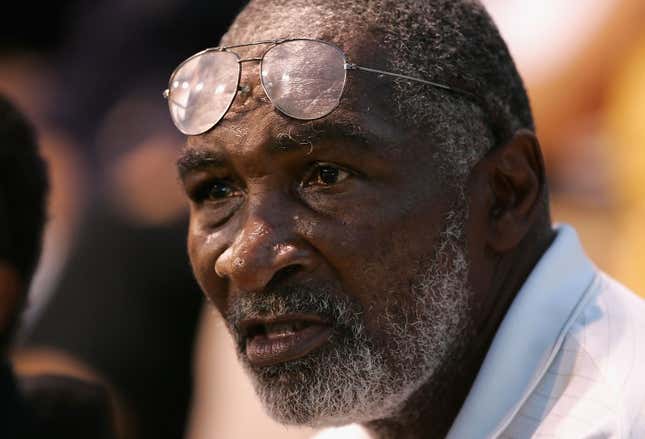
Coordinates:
[593,387]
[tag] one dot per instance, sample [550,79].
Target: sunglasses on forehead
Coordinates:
[303,78]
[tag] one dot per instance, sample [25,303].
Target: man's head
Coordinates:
[356,258]
[23,189]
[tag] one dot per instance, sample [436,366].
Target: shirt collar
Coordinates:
[528,337]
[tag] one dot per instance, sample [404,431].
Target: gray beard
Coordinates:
[358,377]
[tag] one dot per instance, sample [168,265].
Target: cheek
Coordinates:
[377,257]
[203,250]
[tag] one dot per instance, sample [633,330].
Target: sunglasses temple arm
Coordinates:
[349,66]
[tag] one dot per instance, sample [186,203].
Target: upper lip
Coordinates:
[250,327]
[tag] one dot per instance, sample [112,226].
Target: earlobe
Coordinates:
[516,189]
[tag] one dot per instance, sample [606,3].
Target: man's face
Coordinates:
[332,249]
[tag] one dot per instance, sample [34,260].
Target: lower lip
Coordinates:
[264,351]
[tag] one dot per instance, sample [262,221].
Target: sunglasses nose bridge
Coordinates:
[245,60]
[246,88]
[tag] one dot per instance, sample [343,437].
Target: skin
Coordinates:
[275,221]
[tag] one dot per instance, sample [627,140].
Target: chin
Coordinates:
[347,381]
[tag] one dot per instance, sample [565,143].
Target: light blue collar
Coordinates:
[528,338]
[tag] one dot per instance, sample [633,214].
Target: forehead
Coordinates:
[366,112]
[364,115]
[264,131]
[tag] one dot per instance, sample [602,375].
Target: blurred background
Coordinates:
[114,298]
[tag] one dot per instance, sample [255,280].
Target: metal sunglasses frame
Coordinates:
[274,43]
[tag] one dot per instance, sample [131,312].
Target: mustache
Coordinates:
[338,310]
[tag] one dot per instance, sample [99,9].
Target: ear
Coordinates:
[513,188]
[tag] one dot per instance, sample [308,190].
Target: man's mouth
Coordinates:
[277,340]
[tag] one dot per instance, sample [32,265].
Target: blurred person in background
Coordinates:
[138,321]
[23,213]
[291,246]
[34,406]
[115,294]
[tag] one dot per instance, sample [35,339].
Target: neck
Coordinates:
[432,409]
[430,412]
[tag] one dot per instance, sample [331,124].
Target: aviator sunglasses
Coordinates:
[303,78]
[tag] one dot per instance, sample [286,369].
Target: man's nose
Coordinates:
[263,250]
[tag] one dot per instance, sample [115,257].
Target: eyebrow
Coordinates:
[192,160]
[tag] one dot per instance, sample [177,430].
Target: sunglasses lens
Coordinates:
[201,91]
[304,79]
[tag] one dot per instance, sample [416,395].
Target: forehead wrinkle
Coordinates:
[343,126]
[212,143]
[271,132]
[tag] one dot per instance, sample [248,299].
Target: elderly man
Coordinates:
[369,214]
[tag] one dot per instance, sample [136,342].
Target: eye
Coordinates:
[214,190]
[220,189]
[325,174]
